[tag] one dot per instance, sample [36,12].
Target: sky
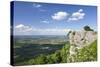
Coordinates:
[33,18]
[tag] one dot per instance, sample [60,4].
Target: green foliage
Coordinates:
[88,53]
[60,56]
[41,59]
[64,53]
[69,33]
[73,33]
[87,28]
[56,57]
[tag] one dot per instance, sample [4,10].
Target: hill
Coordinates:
[87,53]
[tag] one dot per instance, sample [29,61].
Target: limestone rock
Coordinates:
[80,39]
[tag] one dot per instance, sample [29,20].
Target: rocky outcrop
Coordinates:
[80,39]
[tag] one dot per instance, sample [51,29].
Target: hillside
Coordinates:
[88,53]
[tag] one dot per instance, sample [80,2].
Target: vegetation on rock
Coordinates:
[87,28]
[88,53]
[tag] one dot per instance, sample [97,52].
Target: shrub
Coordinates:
[88,53]
[87,28]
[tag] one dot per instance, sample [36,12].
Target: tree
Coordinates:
[87,28]
[41,59]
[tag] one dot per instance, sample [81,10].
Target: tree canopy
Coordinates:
[87,28]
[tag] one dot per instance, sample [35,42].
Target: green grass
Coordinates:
[88,53]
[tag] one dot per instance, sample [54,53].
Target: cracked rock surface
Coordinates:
[80,39]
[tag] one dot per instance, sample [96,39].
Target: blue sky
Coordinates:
[31,18]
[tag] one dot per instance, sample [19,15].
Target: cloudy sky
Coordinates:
[51,19]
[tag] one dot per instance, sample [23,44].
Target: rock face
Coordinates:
[80,39]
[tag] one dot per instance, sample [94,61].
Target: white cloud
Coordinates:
[51,30]
[19,26]
[28,30]
[80,10]
[77,15]
[23,28]
[37,5]
[45,21]
[60,15]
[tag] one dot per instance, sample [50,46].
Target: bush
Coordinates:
[41,59]
[87,28]
[88,53]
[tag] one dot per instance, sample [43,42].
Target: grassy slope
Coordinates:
[88,53]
